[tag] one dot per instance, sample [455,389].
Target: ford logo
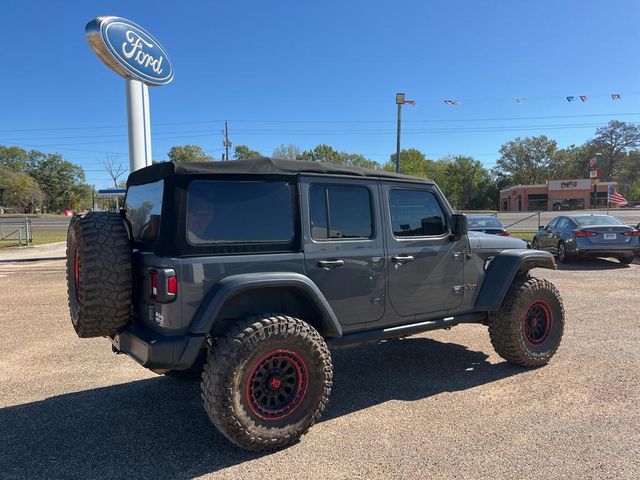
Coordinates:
[129,50]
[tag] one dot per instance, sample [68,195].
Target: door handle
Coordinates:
[330,264]
[402,259]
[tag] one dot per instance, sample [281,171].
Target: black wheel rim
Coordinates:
[561,252]
[276,385]
[537,323]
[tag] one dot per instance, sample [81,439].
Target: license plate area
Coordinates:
[610,236]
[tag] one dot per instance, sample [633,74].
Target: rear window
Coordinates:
[143,208]
[588,220]
[239,212]
[484,222]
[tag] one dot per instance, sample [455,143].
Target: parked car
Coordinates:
[245,273]
[487,224]
[572,236]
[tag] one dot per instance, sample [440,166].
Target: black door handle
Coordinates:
[401,259]
[330,264]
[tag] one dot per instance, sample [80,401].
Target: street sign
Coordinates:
[399,98]
[129,50]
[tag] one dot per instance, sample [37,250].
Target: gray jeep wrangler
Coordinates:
[246,272]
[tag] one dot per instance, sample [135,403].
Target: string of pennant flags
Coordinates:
[520,100]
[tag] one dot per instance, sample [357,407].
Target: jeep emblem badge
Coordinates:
[129,50]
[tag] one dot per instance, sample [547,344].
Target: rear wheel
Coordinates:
[267,381]
[528,327]
[563,256]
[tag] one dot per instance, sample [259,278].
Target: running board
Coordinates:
[357,338]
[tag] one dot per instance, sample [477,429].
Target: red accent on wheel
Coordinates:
[76,271]
[537,323]
[276,385]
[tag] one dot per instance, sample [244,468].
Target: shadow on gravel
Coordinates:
[156,428]
[593,264]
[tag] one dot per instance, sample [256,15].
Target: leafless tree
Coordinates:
[114,168]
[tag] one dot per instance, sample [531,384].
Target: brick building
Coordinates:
[553,195]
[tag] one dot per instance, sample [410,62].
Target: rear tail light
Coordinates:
[163,284]
[632,233]
[584,233]
[504,234]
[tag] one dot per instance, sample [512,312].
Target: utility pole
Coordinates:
[400,101]
[227,143]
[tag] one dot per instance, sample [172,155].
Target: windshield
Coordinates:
[590,220]
[143,205]
[484,222]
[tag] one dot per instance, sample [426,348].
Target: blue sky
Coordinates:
[324,72]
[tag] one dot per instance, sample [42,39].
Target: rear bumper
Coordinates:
[156,351]
[606,252]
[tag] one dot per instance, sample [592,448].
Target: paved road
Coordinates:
[441,405]
[47,224]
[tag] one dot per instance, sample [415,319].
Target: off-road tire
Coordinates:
[510,328]
[626,260]
[98,274]
[231,374]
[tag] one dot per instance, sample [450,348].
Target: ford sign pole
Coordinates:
[132,52]
[138,123]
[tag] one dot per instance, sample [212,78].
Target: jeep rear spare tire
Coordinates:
[267,381]
[98,274]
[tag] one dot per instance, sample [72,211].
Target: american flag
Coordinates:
[614,197]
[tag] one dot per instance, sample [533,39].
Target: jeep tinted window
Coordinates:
[416,213]
[143,207]
[239,212]
[340,212]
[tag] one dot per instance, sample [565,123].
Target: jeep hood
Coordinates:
[485,241]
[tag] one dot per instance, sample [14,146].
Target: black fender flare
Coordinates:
[502,269]
[233,285]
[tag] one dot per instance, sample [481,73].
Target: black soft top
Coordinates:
[258,166]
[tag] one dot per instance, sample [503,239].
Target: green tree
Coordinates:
[467,184]
[242,152]
[287,152]
[188,153]
[59,180]
[569,162]
[15,159]
[525,160]
[614,141]
[20,190]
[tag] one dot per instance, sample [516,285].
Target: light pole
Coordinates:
[400,100]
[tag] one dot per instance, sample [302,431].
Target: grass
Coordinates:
[524,235]
[39,238]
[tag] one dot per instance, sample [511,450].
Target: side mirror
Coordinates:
[459,225]
[542,227]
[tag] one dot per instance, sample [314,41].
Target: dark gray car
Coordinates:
[572,236]
[245,273]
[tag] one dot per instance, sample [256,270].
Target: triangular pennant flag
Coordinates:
[570,99]
[615,96]
[583,98]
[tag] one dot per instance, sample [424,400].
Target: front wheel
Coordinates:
[528,327]
[536,244]
[563,256]
[267,381]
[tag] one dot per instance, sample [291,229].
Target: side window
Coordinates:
[563,223]
[553,223]
[416,213]
[340,212]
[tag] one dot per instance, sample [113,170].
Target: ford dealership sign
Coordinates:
[129,50]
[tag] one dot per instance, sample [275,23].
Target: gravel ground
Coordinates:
[439,405]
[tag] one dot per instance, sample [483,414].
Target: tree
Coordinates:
[59,180]
[525,160]
[15,159]
[412,162]
[114,169]
[357,160]
[570,162]
[287,152]
[242,152]
[614,141]
[467,184]
[20,190]
[188,153]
